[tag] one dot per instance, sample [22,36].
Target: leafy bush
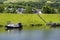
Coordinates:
[1,8]
[10,9]
[59,9]
[28,9]
[48,10]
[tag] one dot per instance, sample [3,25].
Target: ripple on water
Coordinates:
[31,35]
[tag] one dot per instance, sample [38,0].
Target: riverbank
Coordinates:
[27,19]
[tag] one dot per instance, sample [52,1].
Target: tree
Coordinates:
[1,1]
[10,9]
[28,9]
[53,10]
[1,9]
[48,10]
[59,9]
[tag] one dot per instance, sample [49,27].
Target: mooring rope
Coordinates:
[41,18]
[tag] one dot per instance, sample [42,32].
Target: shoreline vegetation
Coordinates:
[27,19]
[42,6]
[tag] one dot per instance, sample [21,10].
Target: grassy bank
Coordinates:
[27,19]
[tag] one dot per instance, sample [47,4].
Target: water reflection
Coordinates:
[31,35]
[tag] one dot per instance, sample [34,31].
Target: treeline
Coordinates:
[48,8]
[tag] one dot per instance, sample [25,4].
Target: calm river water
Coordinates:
[31,35]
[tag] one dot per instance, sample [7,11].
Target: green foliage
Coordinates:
[28,9]
[47,9]
[29,5]
[1,1]
[9,9]
[53,10]
[1,8]
[59,9]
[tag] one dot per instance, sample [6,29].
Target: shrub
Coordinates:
[48,10]
[1,9]
[28,9]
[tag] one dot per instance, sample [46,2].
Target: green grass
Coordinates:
[27,19]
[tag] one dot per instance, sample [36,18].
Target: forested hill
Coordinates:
[31,0]
[2,0]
